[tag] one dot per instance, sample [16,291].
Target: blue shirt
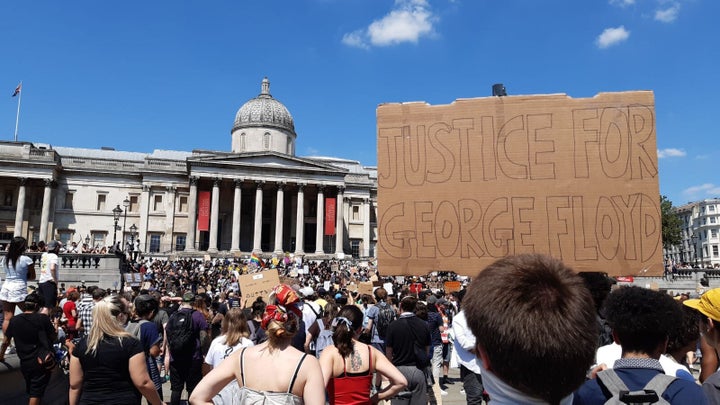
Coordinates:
[636,373]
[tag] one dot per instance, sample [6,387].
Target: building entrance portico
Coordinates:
[263,215]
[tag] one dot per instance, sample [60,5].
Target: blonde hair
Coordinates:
[278,333]
[105,322]
[234,326]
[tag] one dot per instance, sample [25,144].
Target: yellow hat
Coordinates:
[708,304]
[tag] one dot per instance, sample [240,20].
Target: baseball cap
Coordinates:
[188,297]
[431,299]
[708,304]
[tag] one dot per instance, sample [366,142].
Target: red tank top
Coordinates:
[353,389]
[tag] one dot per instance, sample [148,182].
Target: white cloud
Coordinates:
[355,39]
[669,14]
[312,151]
[408,21]
[612,36]
[622,3]
[707,189]
[670,152]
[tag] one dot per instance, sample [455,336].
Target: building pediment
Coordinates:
[263,160]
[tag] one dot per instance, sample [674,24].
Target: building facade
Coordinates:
[700,234]
[258,197]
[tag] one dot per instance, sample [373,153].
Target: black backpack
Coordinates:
[182,336]
[386,314]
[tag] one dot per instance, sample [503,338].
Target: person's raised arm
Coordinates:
[215,380]
[397,380]
[141,379]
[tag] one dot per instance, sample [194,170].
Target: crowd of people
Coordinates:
[526,330]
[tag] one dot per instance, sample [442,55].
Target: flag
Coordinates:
[257,260]
[17,89]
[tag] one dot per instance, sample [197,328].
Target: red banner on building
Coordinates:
[330,216]
[203,211]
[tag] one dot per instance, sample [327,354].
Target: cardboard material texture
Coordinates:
[258,285]
[365,287]
[464,184]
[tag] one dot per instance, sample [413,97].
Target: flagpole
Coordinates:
[17,117]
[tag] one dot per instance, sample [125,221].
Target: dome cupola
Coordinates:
[263,124]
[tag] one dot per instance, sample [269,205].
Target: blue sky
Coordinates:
[145,75]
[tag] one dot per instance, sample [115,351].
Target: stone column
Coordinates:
[319,249]
[300,222]
[257,236]
[366,228]
[279,213]
[167,238]
[20,210]
[237,209]
[214,215]
[45,216]
[340,225]
[144,218]
[192,215]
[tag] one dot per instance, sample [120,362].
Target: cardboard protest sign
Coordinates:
[258,284]
[464,184]
[365,287]
[452,286]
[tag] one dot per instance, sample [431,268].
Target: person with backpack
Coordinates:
[379,317]
[146,331]
[186,332]
[321,331]
[641,322]
[33,333]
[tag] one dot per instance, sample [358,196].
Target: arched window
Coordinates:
[242,142]
[289,145]
[266,141]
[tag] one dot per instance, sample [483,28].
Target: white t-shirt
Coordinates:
[219,350]
[47,259]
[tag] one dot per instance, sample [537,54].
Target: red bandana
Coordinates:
[286,305]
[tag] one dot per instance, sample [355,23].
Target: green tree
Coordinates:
[671,223]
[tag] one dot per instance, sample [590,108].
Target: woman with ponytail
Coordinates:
[348,366]
[272,372]
[108,365]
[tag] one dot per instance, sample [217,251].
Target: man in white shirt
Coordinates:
[470,371]
[47,283]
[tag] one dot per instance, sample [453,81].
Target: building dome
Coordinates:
[264,111]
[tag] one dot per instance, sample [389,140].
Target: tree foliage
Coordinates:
[671,223]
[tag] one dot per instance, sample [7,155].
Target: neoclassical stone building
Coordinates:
[258,197]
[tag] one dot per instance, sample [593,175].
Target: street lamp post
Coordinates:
[133,253]
[126,204]
[116,217]
[694,240]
